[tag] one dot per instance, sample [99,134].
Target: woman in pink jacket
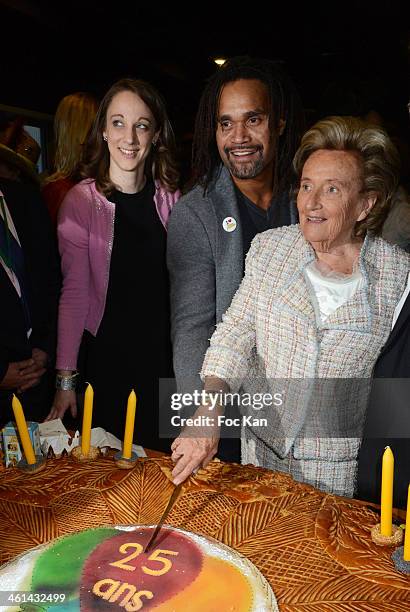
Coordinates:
[112,239]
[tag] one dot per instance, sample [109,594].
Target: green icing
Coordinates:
[59,567]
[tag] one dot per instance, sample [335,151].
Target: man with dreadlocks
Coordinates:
[247,130]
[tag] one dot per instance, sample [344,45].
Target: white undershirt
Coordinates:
[332,289]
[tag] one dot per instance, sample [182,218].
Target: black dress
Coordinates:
[132,349]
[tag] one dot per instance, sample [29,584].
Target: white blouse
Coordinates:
[332,289]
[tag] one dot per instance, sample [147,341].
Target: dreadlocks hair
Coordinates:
[284,104]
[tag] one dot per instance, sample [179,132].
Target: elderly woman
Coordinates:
[112,240]
[316,304]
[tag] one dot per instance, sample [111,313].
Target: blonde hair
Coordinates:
[378,155]
[73,119]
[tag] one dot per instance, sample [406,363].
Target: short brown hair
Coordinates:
[160,163]
[379,156]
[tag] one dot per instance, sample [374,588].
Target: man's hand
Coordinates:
[40,357]
[22,375]
[196,446]
[62,401]
[34,371]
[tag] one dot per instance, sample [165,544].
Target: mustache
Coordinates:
[227,150]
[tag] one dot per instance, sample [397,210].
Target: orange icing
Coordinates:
[219,586]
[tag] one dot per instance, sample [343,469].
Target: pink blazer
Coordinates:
[85,238]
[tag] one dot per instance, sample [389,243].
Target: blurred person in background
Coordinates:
[72,122]
[19,151]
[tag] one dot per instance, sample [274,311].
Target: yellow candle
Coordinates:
[87,418]
[387,493]
[23,431]
[129,425]
[406,551]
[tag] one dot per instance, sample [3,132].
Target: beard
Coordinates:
[245,170]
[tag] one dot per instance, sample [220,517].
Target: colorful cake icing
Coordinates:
[106,568]
[314,549]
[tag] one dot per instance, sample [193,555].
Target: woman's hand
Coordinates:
[62,401]
[196,446]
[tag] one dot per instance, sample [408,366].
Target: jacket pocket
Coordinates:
[326,449]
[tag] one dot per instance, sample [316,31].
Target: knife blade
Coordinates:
[171,502]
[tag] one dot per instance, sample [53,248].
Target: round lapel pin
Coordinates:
[229,224]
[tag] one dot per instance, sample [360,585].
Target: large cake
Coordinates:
[314,549]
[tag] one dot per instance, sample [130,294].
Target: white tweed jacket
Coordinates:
[273,330]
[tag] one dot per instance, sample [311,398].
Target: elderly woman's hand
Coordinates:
[196,446]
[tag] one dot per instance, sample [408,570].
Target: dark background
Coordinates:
[344,56]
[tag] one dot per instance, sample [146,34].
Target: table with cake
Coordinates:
[77,533]
[238,538]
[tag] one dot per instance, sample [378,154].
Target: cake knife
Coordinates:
[171,502]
